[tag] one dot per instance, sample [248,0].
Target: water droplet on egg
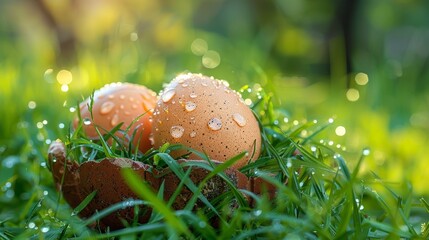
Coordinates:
[131,99]
[151,139]
[190,106]
[239,119]
[193,95]
[168,95]
[115,120]
[134,106]
[193,134]
[215,124]
[185,85]
[177,131]
[122,96]
[86,121]
[111,96]
[107,107]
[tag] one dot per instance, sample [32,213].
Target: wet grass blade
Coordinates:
[177,169]
[157,228]
[84,203]
[143,190]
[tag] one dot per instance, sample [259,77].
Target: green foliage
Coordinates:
[322,198]
[292,50]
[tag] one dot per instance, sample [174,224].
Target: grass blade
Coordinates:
[143,190]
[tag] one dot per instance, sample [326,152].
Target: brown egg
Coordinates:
[77,181]
[212,189]
[204,114]
[120,103]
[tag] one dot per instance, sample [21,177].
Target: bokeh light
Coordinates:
[211,59]
[340,131]
[361,79]
[199,47]
[64,77]
[352,94]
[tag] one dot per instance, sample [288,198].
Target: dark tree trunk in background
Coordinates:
[343,26]
[65,38]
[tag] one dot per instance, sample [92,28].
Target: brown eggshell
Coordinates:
[260,186]
[120,102]
[212,189]
[65,173]
[78,181]
[206,115]
[105,178]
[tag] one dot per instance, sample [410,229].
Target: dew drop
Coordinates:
[107,107]
[122,96]
[239,119]
[177,131]
[45,229]
[86,121]
[215,124]
[193,95]
[31,225]
[202,224]
[257,213]
[115,120]
[151,139]
[185,85]
[366,152]
[193,134]
[248,101]
[289,163]
[190,106]
[168,95]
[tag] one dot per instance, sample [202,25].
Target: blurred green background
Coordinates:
[363,63]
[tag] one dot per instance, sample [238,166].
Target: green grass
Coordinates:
[368,183]
[323,199]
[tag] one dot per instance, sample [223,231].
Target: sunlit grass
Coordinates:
[360,172]
[328,195]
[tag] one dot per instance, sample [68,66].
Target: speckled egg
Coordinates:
[204,114]
[116,103]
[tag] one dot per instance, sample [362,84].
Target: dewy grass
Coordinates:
[318,195]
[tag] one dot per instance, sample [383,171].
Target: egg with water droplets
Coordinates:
[204,114]
[116,103]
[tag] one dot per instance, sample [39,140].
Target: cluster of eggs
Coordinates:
[196,111]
